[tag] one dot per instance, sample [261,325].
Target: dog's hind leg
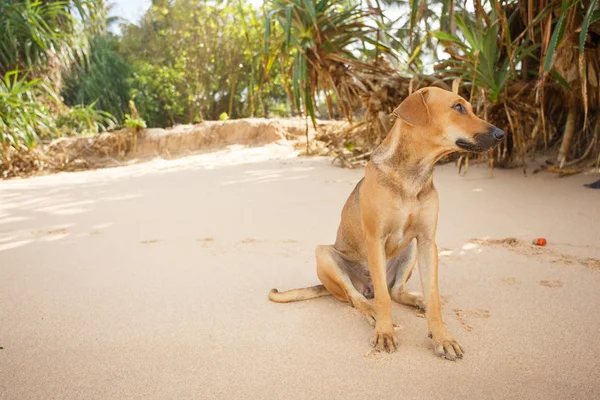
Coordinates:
[405,263]
[338,283]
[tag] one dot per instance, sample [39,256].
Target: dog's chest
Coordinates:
[395,244]
[401,234]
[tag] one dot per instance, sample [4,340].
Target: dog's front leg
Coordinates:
[385,338]
[443,343]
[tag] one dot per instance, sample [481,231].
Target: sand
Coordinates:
[151,281]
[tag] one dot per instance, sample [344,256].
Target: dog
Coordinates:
[389,221]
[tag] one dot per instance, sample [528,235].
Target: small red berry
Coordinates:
[540,242]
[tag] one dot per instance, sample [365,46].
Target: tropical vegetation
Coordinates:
[531,67]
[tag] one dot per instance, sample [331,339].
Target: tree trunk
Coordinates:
[568,135]
[251,94]
[232,95]
[451,18]
[262,107]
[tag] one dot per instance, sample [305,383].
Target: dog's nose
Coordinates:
[498,134]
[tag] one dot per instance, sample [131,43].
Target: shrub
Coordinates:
[101,79]
[157,92]
[24,114]
[85,120]
[135,123]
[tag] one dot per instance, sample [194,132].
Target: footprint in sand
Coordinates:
[287,251]
[149,241]
[463,315]
[510,280]
[528,249]
[59,231]
[205,241]
[253,240]
[551,284]
[592,263]
[379,356]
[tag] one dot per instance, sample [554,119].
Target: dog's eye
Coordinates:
[460,108]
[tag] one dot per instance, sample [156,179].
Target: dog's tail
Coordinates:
[298,294]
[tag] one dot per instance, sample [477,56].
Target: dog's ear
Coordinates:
[413,110]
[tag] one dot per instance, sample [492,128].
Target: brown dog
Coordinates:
[390,219]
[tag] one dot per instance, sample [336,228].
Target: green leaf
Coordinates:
[267,32]
[444,20]
[441,35]
[309,105]
[414,10]
[586,25]
[288,24]
[310,7]
[467,31]
[556,37]
[417,51]
[561,80]
[296,80]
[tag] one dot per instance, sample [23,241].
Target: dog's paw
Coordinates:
[384,341]
[420,304]
[447,348]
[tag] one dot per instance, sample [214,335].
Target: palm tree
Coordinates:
[101,79]
[39,40]
[322,40]
[46,37]
[533,65]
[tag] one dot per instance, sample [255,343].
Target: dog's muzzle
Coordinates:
[482,141]
[498,134]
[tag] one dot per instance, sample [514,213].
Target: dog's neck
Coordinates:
[406,158]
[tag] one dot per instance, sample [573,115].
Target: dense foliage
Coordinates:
[39,42]
[101,79]
[194,60]
[531,67]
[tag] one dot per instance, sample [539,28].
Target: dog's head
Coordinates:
[449,120]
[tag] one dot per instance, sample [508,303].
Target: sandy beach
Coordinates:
[150,282]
